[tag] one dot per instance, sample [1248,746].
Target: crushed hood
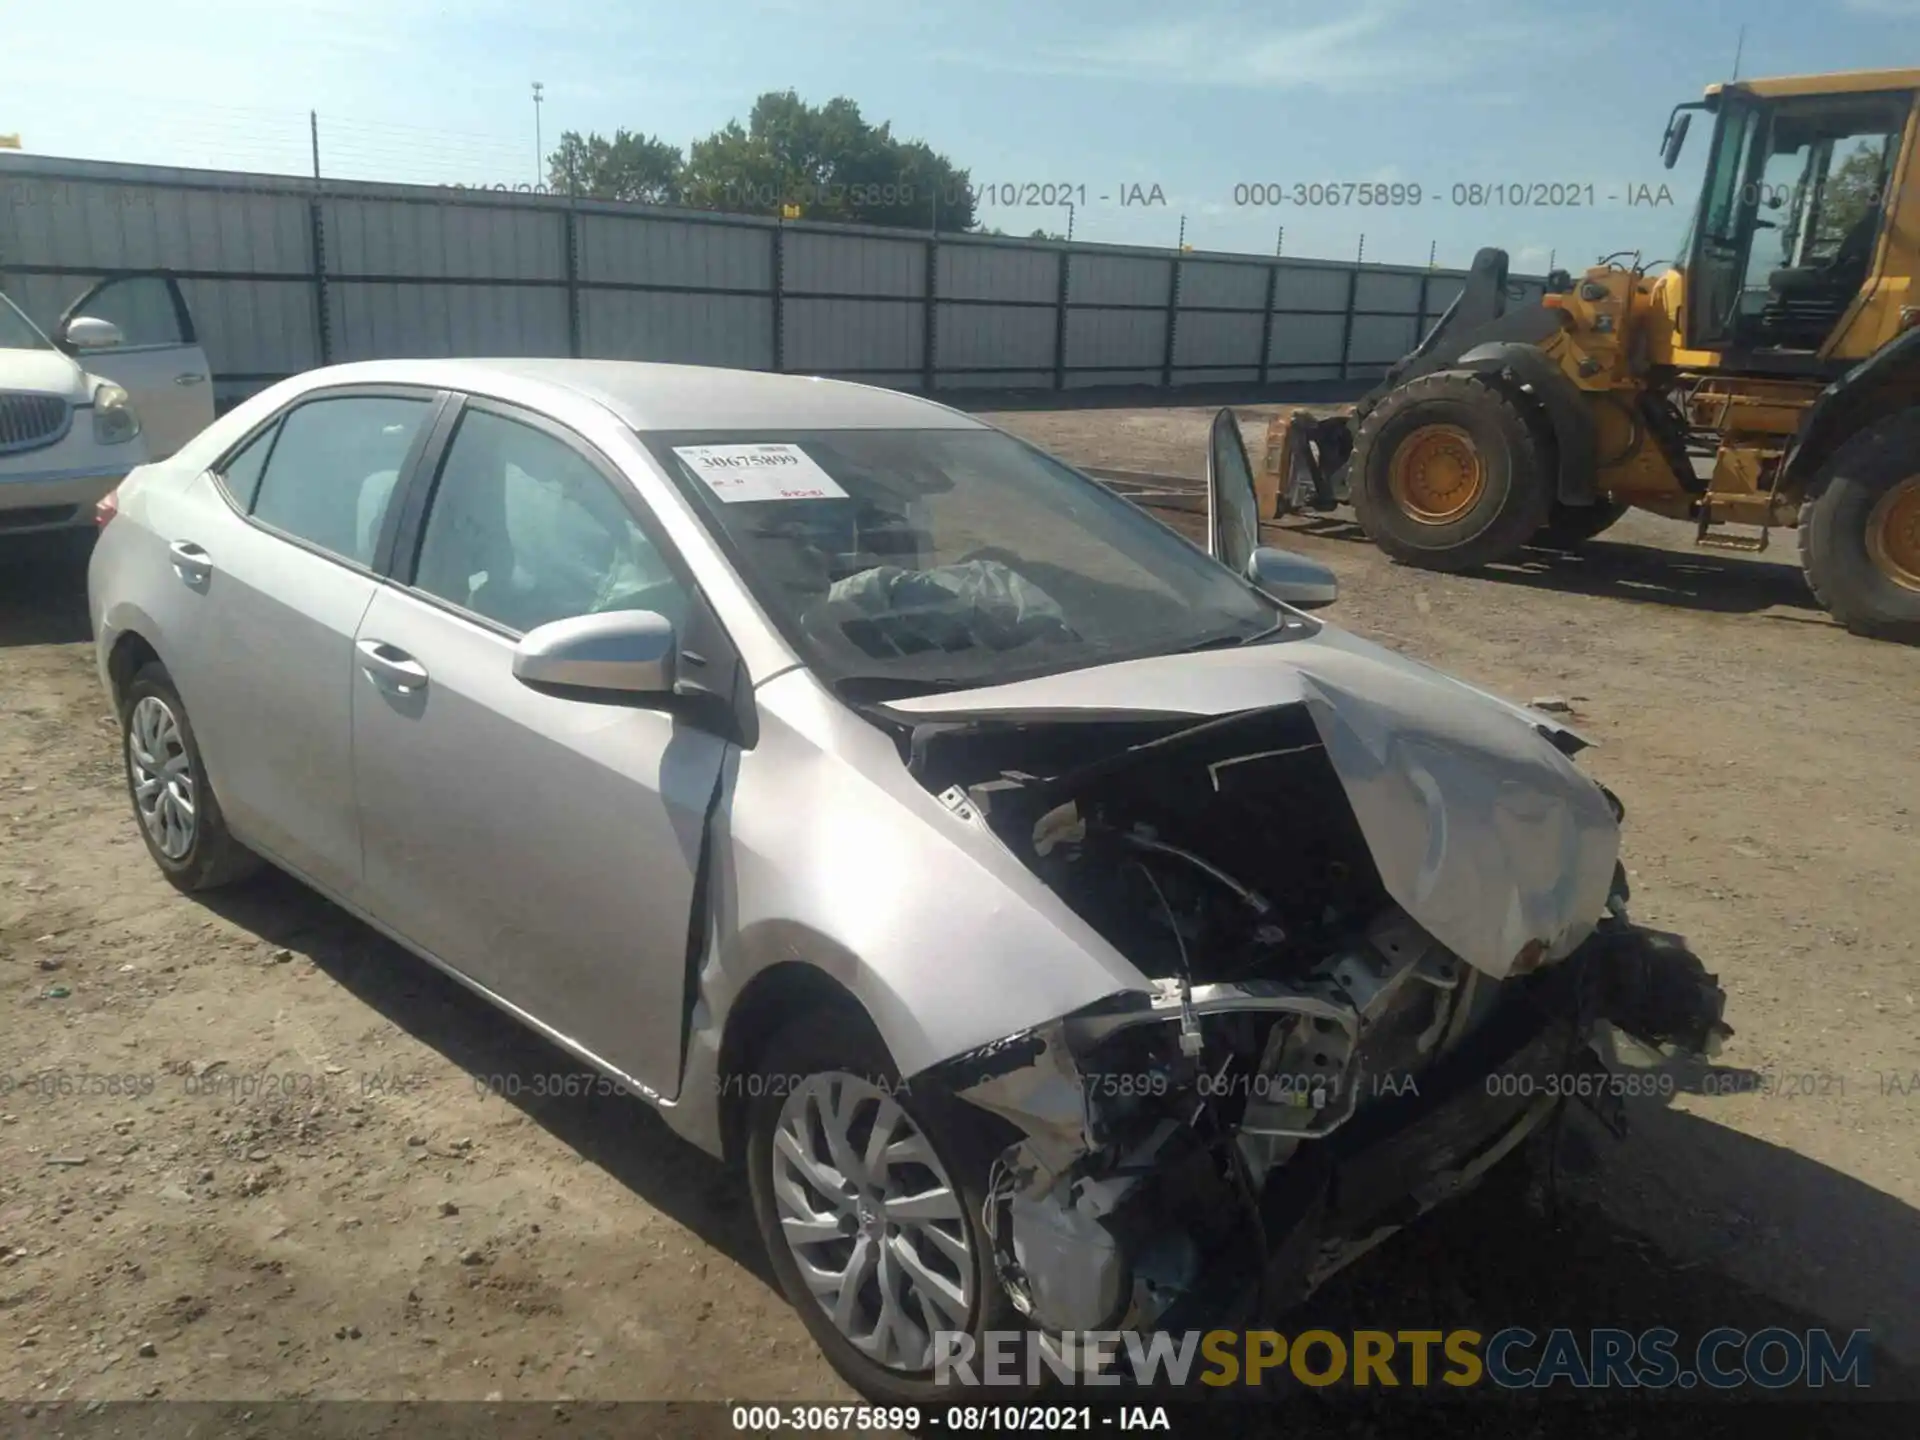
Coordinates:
[1481,829]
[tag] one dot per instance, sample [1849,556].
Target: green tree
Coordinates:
[825,163]
[641,168]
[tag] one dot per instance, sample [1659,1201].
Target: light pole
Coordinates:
[539,150]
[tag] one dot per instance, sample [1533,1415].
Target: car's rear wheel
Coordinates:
[868,1197]
[179,818]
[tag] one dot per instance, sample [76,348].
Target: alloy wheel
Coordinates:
[871,1218]
[162,774]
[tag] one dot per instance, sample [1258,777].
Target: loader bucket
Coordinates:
[1302,469]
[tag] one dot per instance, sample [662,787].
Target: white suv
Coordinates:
[124,382]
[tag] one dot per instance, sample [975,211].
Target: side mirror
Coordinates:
[1233,496]
[623,652]
[85,332]
[1293,579]
[1676,137]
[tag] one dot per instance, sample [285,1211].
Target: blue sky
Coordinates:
[1194,96]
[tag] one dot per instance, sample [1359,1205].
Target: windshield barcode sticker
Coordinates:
[759,472]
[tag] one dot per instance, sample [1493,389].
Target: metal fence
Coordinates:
[284,274]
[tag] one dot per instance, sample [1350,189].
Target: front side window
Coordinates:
[142,307]
[904,559]
[17,332]
[524,529]
[333,471]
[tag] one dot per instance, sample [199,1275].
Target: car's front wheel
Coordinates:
[179,818]
[868,1196]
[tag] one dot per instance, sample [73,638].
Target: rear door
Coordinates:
[278,571]
[158,362]
[545,847]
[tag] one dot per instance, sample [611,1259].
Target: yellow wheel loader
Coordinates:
[1770,377]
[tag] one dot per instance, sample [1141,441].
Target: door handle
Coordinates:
[192,564]
[188,378]
[390,667]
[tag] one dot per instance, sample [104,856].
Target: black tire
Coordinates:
[1834,552]
[1569,527]
[1515,495]
[965,1143]
[214,857]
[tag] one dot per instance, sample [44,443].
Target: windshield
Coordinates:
[902,560]
[17,332]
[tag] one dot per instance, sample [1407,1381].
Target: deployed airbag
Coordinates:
[975,604]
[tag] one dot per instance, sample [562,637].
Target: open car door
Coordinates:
[136,331]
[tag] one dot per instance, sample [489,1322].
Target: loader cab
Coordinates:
[1796,197]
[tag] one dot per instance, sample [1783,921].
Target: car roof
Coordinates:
[649,396]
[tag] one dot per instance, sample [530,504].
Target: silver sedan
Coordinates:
[1066,931]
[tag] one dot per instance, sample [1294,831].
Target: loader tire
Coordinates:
[1449,473]
[1860,531]
[1569,527]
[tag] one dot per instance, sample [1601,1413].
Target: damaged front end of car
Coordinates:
[1378,951]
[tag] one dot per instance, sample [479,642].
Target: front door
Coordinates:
[544,847]
[158,360]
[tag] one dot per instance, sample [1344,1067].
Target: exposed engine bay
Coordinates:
[1292,1002]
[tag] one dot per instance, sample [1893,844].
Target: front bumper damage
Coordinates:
[1150,1190]
[1379,920]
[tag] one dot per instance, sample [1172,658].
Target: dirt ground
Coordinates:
[250,1149]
